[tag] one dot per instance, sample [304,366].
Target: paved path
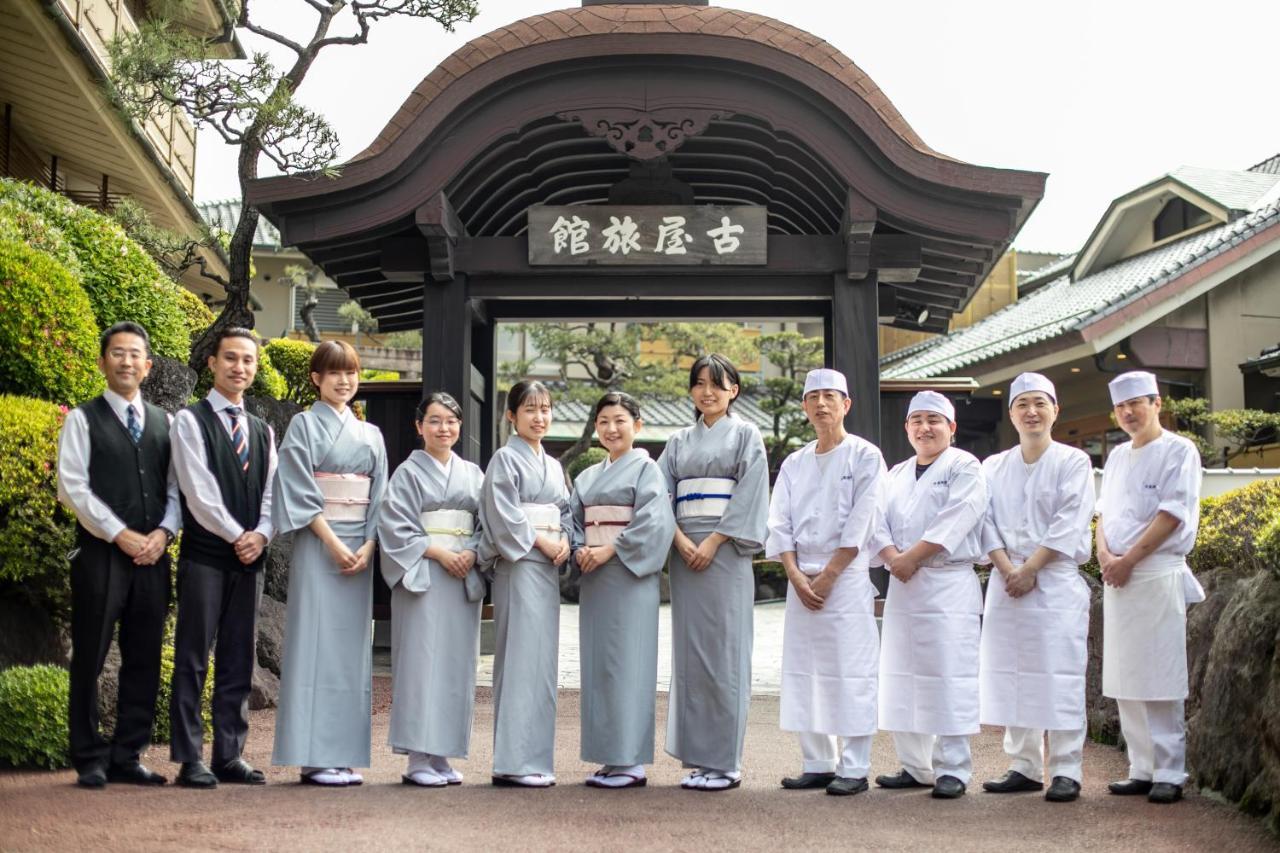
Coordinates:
[45,811]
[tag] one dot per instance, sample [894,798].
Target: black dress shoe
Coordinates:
[195,775]
[948,788]
[134,774]
[1130,787]
[93,776]
[1011,782]
[901,779]
[1165,792]
[238,772]
[1063,790]
[844,786]
[807,780]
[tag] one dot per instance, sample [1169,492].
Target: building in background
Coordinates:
[58,128]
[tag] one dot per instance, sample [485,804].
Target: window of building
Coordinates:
[1177,216]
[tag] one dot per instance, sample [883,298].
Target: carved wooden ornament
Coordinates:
[644,135]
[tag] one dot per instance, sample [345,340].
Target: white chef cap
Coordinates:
[1025,382]
[932,401]
[1135,383]
[823,378]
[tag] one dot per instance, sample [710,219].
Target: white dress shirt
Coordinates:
[73,473]
[200,486]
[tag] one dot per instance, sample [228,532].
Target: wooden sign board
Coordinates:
[647,235]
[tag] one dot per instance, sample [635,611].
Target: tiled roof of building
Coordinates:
[1035,278]
[666,414]
[1269,166]
[225,214]
[1063,305]
[1233,190]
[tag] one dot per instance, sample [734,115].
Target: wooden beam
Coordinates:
[439,223]
[964,251]
[895,257]
[589,287]
[858,223]
[404,259]
[657,310]
[852,330]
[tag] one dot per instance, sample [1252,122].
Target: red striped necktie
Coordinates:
[239,436]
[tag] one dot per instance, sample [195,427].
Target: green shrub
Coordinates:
[293,360]
[379,376]
[162,731]
[26,226]
[33,716]
[36,532]
[585,460]
[195,314]
[1230,528]
[1268,545]
[47,333]
[120,278]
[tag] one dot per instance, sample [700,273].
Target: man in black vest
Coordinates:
[224,459]
[113,473]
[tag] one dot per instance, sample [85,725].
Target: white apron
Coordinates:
[1034,650]
[1144,649]
[830,658]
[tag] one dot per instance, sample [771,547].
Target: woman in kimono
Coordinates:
[328,487]
[718,477]
[929,536]
[622,529]
[524,513]
[429,538]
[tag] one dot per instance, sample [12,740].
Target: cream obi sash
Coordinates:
[346,496]
[604,524]
[448,528]
[545,518]
[705,497]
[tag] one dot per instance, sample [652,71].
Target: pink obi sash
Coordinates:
[346,496]
[604,524]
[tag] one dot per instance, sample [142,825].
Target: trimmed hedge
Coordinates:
[195,314]
[293,360]
[162,732]
[36,531]
[47,332]
[33,716]
[1238,529]
[585,460]
[18,223]
[121,279]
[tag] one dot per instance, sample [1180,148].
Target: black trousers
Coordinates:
[107,588]
[222,604]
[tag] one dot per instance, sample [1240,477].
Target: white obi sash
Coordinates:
[448,528]
[604,524]
[346,496]
[545,518]
[703,497]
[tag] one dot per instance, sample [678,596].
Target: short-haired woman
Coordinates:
[328,487]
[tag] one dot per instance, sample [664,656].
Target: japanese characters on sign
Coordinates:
[647,235]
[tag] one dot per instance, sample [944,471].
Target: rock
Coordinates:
[265,692]
[277,413]
[1202,624]
[275,580]
[1102,714]
[664,588]
[109,689]
[570,584]
[169,384]
[1233,740]
[271,615]
[30,636]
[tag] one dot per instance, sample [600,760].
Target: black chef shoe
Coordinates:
[1130,787]
[1012,782]
[844,786]
[195,775]
[1063,790]
[134,774]
[948,788]
[807,780]
[92,776]
[238,772]
[1165,792]
[901,779]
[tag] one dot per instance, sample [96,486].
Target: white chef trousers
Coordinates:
[1155,733]
[1026,748]
[820,754]
[927,757]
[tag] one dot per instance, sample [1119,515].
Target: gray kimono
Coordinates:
[435,617]
[618,613]
[526,606]
[326,671]
[711,616]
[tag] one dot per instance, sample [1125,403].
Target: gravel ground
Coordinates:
[46,811]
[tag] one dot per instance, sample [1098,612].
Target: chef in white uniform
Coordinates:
[821,519]
[929,536]
[1149,511]
[1035,628]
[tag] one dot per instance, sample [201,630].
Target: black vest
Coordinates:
[132,479]
[241,490]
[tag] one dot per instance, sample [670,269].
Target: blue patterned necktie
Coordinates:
[239,436]
[135,428]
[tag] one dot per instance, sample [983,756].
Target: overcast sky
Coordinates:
[1104,96]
